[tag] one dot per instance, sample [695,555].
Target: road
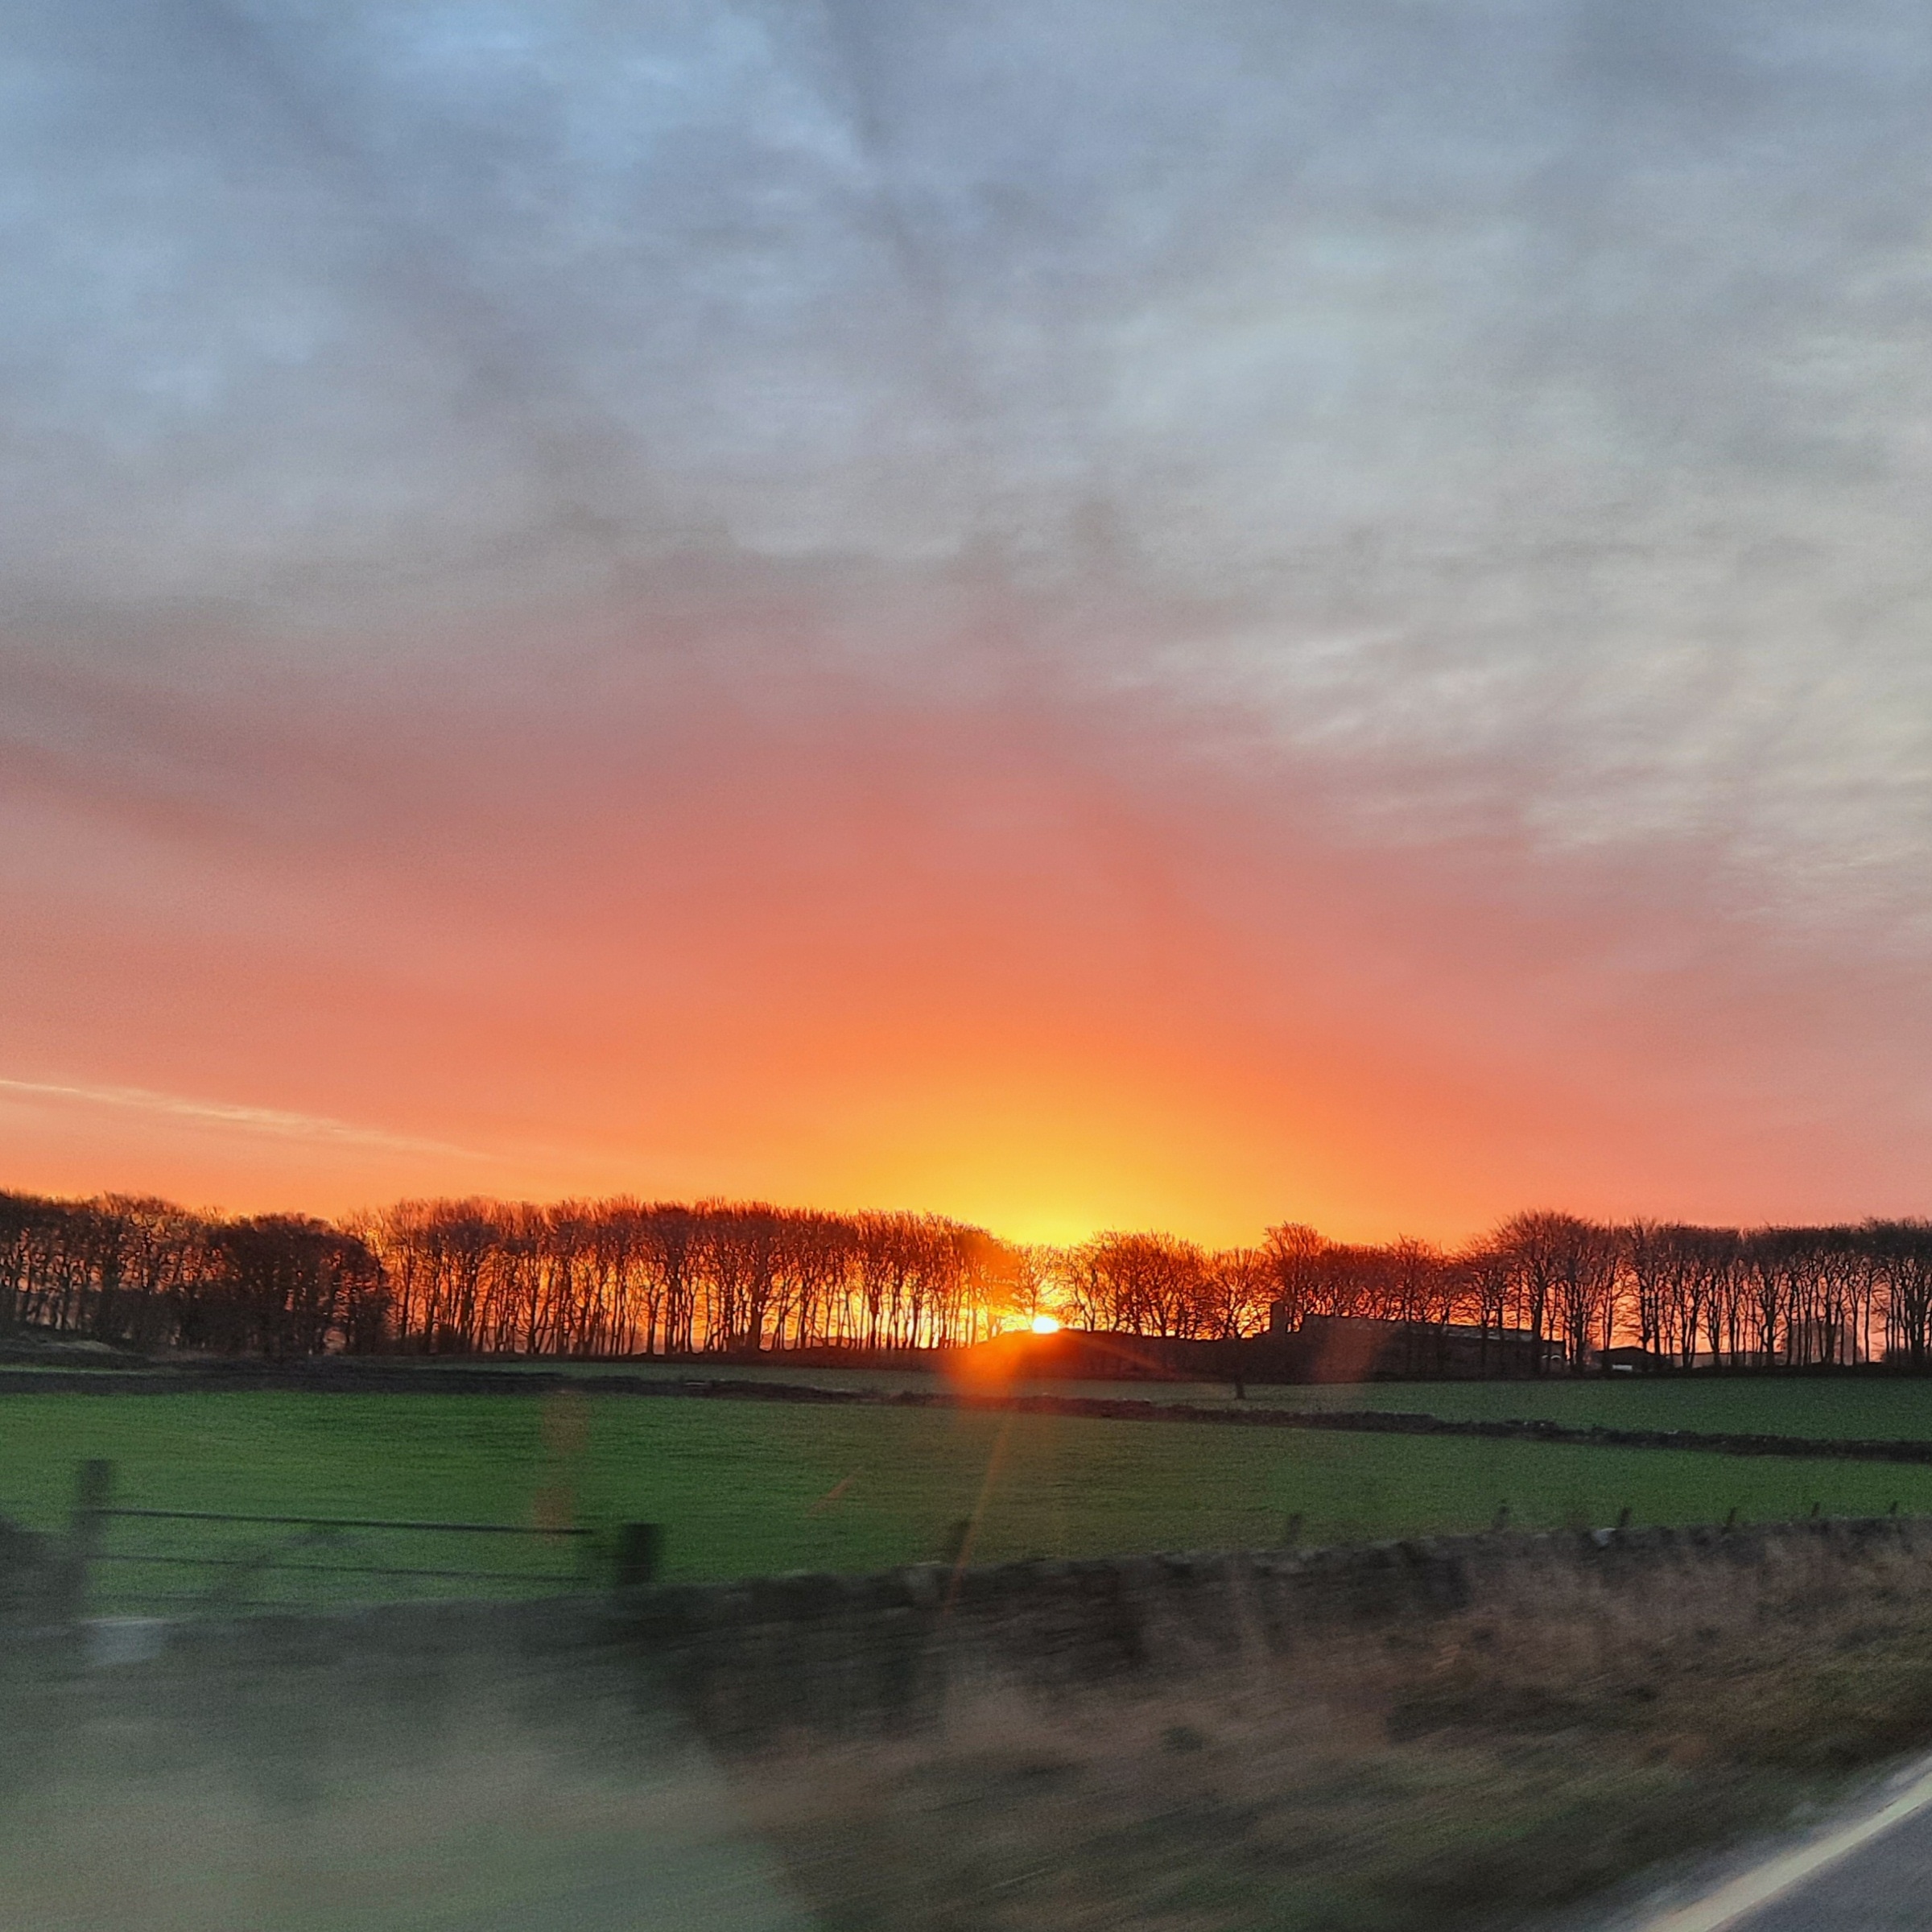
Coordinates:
[1869,1870]
[1886,1884]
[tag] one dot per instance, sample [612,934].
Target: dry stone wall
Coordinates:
[813,1656]
[830,1654]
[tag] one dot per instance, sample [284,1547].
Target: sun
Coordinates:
[1046,1324]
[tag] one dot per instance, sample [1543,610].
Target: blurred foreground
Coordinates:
[1479,1732]
[281,1779]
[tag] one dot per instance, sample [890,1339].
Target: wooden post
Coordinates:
[640,1549]
[86,1525]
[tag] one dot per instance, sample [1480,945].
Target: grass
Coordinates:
[1283,1810]
[1191,1812]
[1827,1407]
[1824,1408]
[1482,1770]
[745,1489]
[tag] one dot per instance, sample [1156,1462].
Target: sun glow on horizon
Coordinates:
[1045,1324]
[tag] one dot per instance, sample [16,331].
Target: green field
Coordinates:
[1880,1408]
[1825,1408]
[744,1488]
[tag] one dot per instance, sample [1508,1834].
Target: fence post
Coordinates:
[93,1492]
[640,1546]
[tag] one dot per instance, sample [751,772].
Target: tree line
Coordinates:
[1684,1294]
[146,1273]
[624,1277]
[609,1277]
[633,1277]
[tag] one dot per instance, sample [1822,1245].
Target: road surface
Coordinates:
[1869,1870]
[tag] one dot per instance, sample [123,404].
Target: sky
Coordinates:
[1078,612]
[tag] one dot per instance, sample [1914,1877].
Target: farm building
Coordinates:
[1358,1349]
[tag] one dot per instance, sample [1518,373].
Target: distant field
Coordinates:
[746,1488]
[1878,1408]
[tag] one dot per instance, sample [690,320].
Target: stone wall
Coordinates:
[829,1654]
[824,1655]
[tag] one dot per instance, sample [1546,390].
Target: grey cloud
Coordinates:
[1524,406]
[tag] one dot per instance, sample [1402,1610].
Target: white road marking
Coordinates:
[1735,1900]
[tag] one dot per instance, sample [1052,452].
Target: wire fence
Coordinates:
[119,1558]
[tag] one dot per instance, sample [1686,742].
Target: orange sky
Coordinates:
[1040,962]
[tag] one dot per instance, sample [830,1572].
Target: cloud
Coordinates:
[483,483]
[268,1121]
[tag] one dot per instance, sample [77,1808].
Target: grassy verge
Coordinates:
[1485,1772]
